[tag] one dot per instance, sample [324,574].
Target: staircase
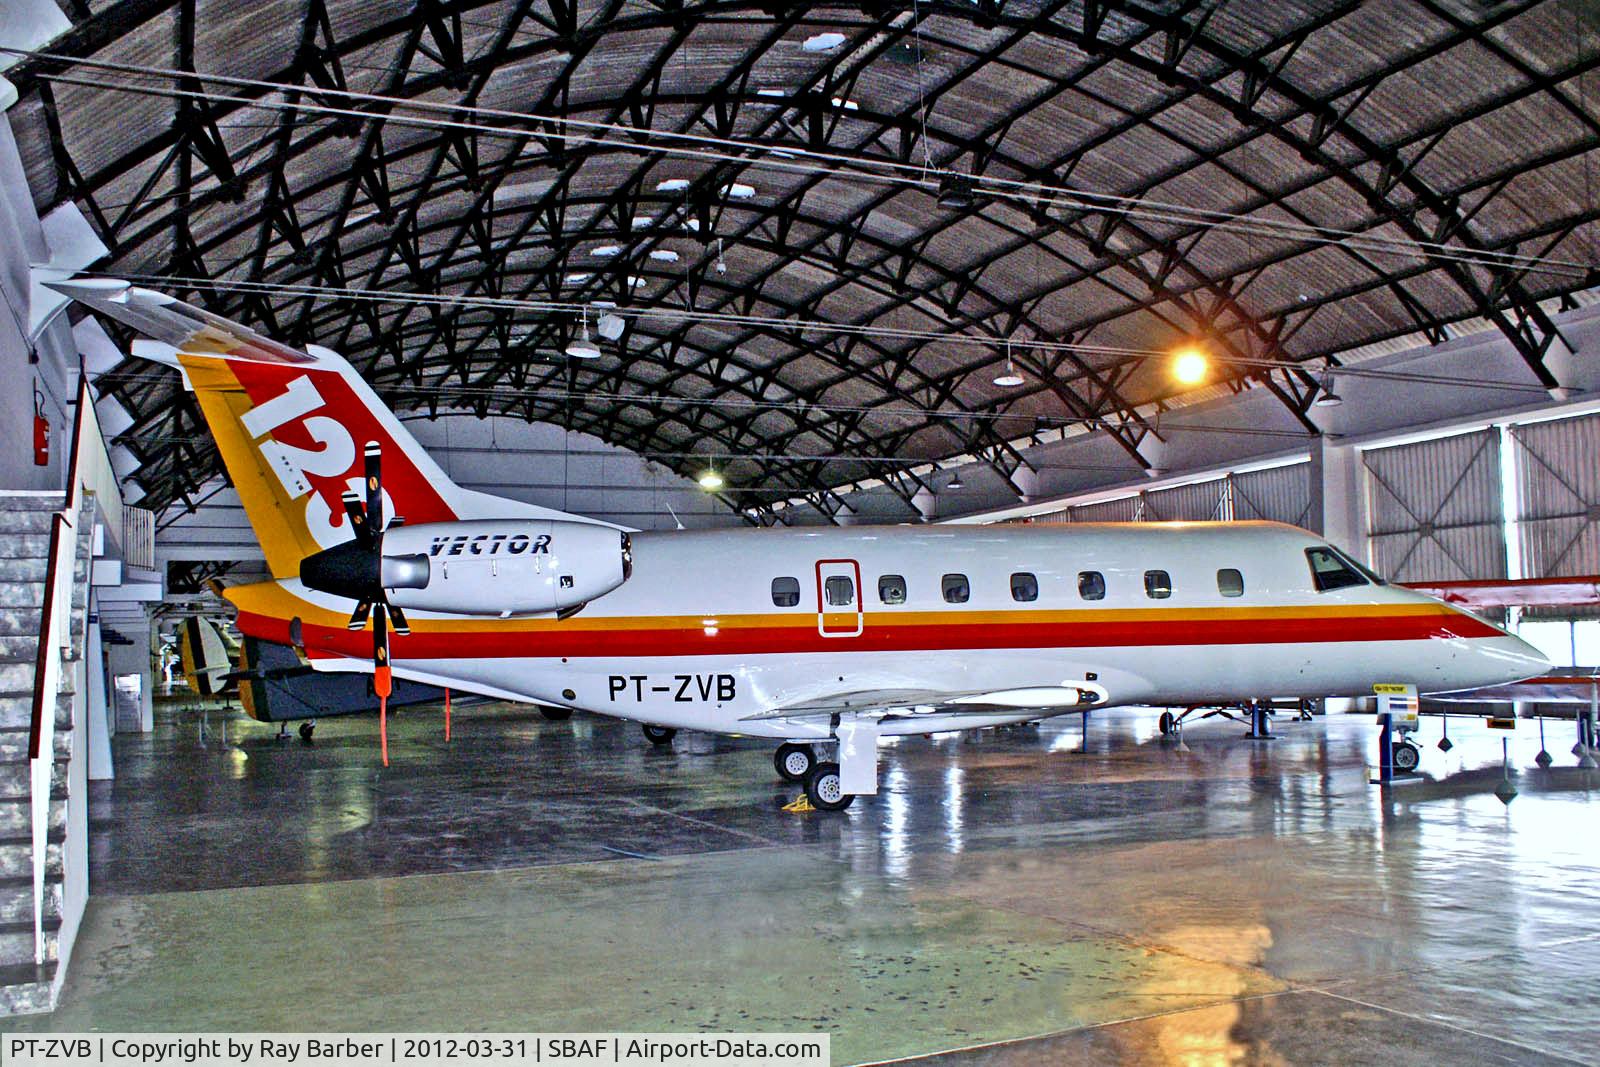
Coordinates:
[26,984]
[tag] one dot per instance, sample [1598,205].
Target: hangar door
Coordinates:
[1558,502]
[1434,509]
[1196,502]
[1279,494]
[1123,509]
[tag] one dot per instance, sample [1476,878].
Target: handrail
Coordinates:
[55,637]
[48,643]
[49,646]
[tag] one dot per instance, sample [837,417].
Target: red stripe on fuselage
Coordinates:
[884,637]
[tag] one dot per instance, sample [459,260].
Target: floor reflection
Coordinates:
[1198,900]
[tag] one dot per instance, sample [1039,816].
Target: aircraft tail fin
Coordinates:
[291,426]
[203,656]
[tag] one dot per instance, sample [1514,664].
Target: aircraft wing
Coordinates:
[1004,703]
[1571,686]
[1579,591]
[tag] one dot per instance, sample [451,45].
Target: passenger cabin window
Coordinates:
[1024,587]
[892,589]
[1329,572]
[1157,585]
[1091,585]
[1230,582]
[840,591]
[786,592]
[955,588]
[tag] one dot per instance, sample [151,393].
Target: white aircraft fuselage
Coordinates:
[794,634]
[693,638]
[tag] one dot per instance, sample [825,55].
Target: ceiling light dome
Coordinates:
[583,347]
[1009,378]
[955,192]
[1327,398]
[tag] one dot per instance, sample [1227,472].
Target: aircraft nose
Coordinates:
[1511,659]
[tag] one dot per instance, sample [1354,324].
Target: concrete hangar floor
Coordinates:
[1012,897]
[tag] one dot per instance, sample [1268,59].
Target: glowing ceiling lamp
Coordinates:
[1189,366]
[710,480]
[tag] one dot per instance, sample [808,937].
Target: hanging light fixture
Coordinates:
[955,482]
[955,192]
[710,480]
[1010,379]
[1327,398]
[583,347]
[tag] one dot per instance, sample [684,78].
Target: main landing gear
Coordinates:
[823,786]
[658,735]
[307,728]
[794,762]
[556,714]
[825,790]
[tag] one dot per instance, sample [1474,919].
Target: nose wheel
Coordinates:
[1404,756]
[794,762]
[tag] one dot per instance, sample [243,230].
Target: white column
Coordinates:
[1337,509]
[96,708]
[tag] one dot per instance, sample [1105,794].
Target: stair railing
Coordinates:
[88,468]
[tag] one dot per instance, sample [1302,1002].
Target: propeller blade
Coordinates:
[398,617]
[374,458]
[358,618]
[358,518]
[380,637]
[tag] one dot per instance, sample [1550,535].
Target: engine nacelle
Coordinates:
[503,566]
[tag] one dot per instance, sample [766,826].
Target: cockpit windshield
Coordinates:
[1366,571]
[1330,570]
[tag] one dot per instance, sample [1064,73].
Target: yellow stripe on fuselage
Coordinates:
[272,600]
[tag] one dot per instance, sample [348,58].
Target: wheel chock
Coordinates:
[799,805]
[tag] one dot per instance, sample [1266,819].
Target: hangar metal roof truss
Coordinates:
[362,158]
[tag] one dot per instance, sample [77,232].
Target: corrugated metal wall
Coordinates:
[1125,509]
[1434,509]
[1558,502]
[1199,502]
[1279,494]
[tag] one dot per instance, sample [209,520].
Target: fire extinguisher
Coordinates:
[41,431]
